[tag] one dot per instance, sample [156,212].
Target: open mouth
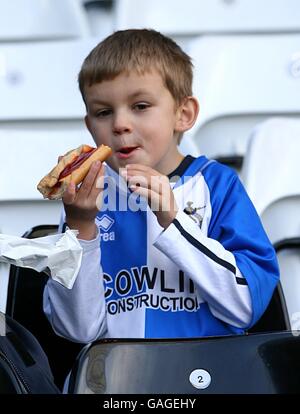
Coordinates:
[125,152]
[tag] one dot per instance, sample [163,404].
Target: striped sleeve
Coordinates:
[234,265]
[212,268]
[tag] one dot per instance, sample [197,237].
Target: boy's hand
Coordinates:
[82,205]
[155,188]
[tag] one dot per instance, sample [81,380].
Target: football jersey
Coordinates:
[211,272]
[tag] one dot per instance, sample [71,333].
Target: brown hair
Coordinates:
[141,50]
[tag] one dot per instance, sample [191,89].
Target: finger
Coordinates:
[152,197]
[128,175]
[95,196]
[140,169]
[99,180]
[144,192]
[138,181]
[70,194]
[149,173]
[159,184]
[96,193]
[90,180]
[98,184]
[133,174]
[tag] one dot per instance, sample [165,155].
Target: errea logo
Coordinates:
[105,223]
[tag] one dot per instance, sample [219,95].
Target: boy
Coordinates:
[182,250]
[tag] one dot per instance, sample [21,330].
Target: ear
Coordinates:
[187,113]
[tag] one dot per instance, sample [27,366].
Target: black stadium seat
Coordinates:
[275,317]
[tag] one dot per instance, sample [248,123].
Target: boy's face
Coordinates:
[136,116]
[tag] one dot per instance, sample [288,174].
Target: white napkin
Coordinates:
[58,255]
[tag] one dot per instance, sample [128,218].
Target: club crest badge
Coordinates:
[193,212]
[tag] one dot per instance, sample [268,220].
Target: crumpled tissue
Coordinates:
[58,255]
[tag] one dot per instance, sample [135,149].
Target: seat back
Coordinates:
[38,81]
[213,16]
[191,366]
[33,20]
[234,82]
[44,75]
[271,176]
[280,218]
[276,316]
[100,16]
[25,305]
[271,173]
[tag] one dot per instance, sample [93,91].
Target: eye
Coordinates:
[141,106]
[103,113]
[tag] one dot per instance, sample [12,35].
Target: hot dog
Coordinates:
[72,167]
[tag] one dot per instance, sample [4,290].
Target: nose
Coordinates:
[122,123]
